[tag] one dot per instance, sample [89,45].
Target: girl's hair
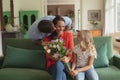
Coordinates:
[54,35]
[86,40]
[46,26]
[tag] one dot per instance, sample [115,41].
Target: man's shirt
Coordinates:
[35,34]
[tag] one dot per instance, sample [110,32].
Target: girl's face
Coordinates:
[79,38]
[60,26]
[85,36]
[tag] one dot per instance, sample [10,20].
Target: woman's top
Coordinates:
[68,43]
[83,57]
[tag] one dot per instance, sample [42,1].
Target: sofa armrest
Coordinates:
[116,61]
[1,61]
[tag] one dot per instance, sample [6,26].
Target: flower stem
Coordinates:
[67,67]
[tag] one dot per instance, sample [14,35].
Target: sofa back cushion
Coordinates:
[24,58]
[20,43]
[99,41]
[102,59]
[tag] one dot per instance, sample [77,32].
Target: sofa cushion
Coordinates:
[24,58]
[108,73]
[23,74]
[102,59]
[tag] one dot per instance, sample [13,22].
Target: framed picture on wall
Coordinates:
[94,15]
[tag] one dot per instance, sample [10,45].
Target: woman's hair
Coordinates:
[54,35]
[46,26]
[57,18]
[86,40]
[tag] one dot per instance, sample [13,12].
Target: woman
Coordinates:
[56,67]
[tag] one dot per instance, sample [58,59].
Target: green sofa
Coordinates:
[24,60]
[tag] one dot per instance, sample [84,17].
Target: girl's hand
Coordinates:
[71,74]
[74,72]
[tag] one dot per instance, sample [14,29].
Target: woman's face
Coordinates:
[60,26]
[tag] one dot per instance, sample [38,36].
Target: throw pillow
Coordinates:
[24,58]
[102,59]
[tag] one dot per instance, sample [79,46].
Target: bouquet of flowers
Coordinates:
[57,47]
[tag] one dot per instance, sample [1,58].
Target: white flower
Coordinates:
[48,51]
[94,22]
[54,46]
[50,45]
[58,47]
[45,47]
[57,40]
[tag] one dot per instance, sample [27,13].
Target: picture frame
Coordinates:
[94,15]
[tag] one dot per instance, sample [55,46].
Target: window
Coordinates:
[112,16]
[118,15]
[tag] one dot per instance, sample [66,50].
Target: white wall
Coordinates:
[6,5]
[86,5]
[62,1]
[0,44]
[40,5]
[76,3]
[91,5]
[20,5]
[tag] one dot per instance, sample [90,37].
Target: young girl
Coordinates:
[85,53]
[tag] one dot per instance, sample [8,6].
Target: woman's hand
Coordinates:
[55,56]
[65,59]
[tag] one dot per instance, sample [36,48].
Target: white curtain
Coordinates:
[110,17]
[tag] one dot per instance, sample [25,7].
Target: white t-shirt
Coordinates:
[82,57]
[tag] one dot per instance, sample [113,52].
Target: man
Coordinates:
[41,30]
[36,34]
